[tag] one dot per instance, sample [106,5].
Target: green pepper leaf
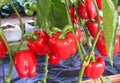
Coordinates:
[2,2]
[58,14]
[110,24]
[43,11]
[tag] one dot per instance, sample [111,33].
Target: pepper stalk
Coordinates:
[85,62]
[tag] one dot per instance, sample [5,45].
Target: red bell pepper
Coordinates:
[39,46]
[25,63]
[95,69]
[82,12]
[93,26]
[3,48]
[53,60]
[99,4]
[101,47]
[63,48]
[72,14]
[90,8]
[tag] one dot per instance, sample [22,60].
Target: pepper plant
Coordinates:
[59,37]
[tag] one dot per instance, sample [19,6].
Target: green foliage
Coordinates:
[110,24]
[43,11]
[54,11]
[58,14]
[2,2]
[6,10]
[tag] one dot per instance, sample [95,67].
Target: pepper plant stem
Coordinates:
[70,22]
[10,56]
[98,15]
[68,15]
[92,48]
[10,52]
[101,78]
[89,57]
[20,44]
[19,17]
[83,50]
[45,69]
[21,24]
[81,74]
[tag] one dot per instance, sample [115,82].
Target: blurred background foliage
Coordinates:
[118,2]
[6,9]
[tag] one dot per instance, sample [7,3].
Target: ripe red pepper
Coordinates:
[25,63]
[101,47]
[53,60]
[95,69]
[3,48]
[72,14]
[63,48]
[93,26]
[90,8]
[99,4]
[82,12]
[39,46]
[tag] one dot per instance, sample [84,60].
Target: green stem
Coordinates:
[20,45]
[78,45]
[10,56]
[19,17]
[62,36]
[83,50]
[101,78]
[94,43]
[87,36]
[98,15]
[68,15]
[81,74]
[7,80]
[79,50]
[93,58]
[85,62]
[99,30]
[21,24]
[8,47]
[45,69]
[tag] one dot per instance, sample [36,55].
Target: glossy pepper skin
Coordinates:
[90,8]
[101,47]
[53,60]
[95,69]
[72,14]
[82,12]
[3,48]
[63,48]
[99,4]
[93,26]
[25,63]
[40,45]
